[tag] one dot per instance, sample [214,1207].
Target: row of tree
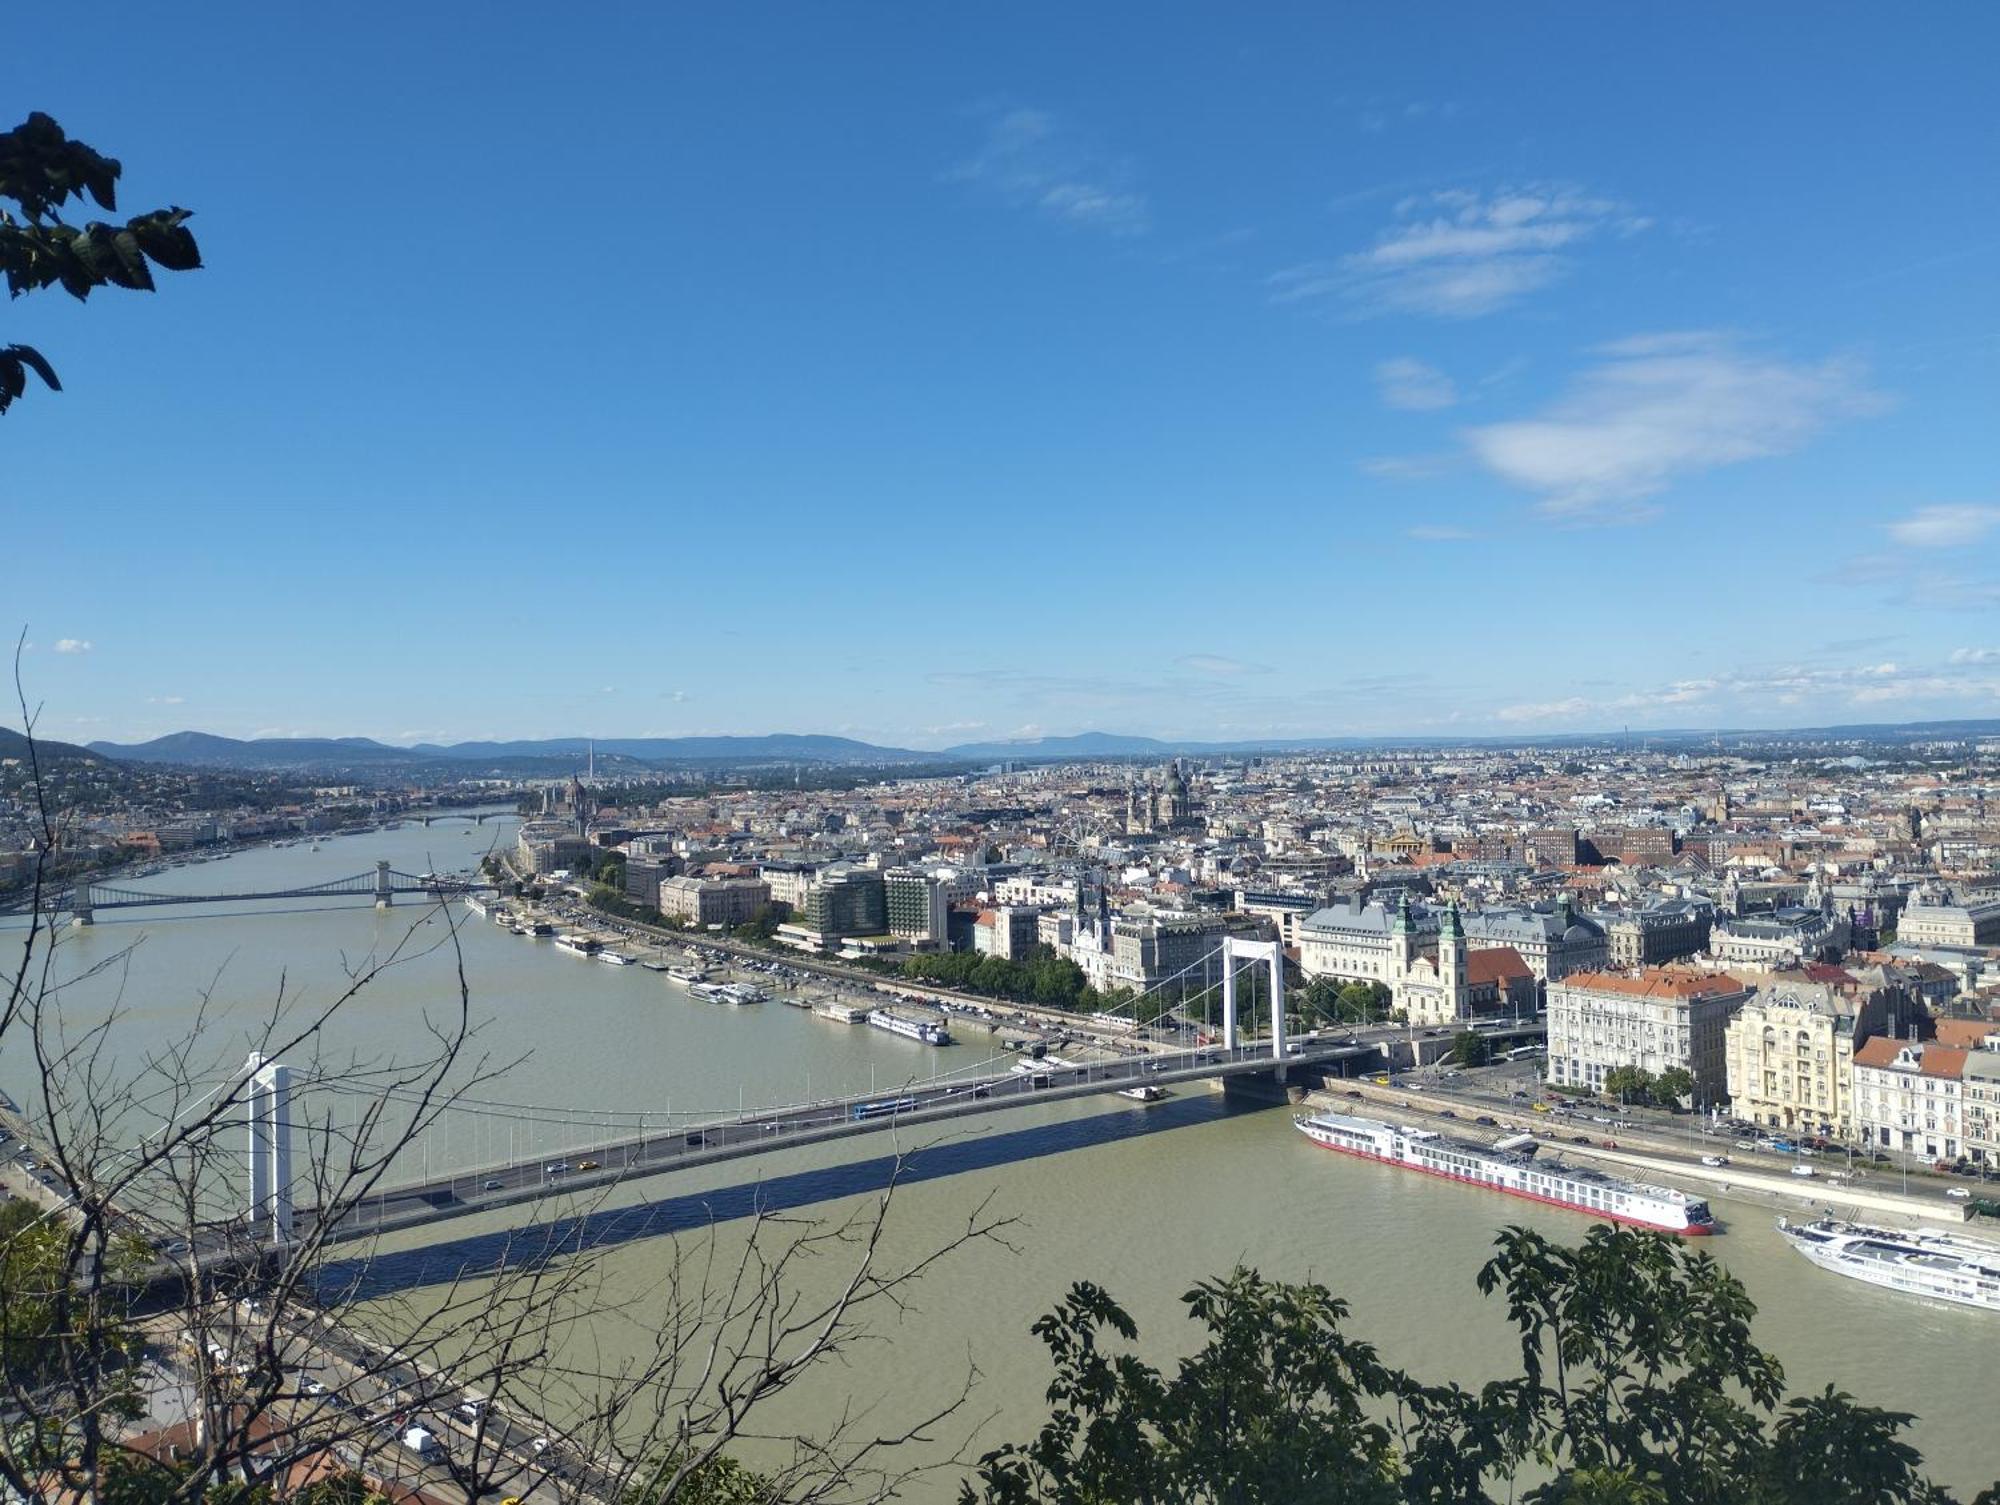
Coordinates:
[1041,977]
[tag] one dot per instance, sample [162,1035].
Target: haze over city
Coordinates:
[943,376]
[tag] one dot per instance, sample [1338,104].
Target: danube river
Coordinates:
[1143,1200]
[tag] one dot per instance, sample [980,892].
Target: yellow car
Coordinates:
[1540,1107]
[588,1165]
[1379,1081]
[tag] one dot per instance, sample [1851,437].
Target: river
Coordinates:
[1144,1201]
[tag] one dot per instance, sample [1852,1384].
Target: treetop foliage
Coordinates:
[1639,1384]
[41,171]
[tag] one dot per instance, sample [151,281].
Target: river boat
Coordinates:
[652,966]
[542,930]
[578,945]
[1147,1093]
[923,1030]
[1510,1166]
[840,1013]
[1931,1262]
[686,975]
[476,904]
[614,958]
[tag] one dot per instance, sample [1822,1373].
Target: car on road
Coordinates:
[489,1186]
[555,1168]
[1579,1139]
[1488,1120]
[1715,1160]
[1350,1092]
[315,1387]
[1957,1191]
[1804,1170]
[1446,1113]
[588,1165]
[471,1410]
[540,1444]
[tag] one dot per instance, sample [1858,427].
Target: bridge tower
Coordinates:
[269,1111]
[1269,952]
[79,904]
[384,895]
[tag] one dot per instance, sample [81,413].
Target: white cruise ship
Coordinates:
[476,904]
[911,1029]
[1929,1262]
[1510,1166]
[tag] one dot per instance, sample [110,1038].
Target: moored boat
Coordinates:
[1931,1262]
[923,1030]
[1510,1166]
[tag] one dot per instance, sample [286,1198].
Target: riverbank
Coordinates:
[1635,1148]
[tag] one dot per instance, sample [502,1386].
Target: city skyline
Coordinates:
[946,378]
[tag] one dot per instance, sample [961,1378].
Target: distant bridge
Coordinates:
[82,900]
[477,817]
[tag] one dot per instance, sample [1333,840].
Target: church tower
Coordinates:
[1451,960]
[1403,937]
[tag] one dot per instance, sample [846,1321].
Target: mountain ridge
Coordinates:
[209,750]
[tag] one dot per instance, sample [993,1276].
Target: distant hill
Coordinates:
[773,747]
[205,750]
[14,744]
[1082,745]
[558,755]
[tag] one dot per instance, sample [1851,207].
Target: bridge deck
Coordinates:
[657,1153]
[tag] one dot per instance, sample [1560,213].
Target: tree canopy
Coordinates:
[42,170]
[1638,1384]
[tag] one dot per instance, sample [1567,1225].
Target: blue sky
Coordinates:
[931,373]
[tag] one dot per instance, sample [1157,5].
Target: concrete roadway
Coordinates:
[756,1133]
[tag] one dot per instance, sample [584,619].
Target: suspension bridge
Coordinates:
[641,1150]
[82,900]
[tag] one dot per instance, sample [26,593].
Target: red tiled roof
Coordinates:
[1965,1034]
[1656,982]
[1936,1060]
[1495,964]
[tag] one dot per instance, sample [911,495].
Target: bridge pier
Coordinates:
[269,1110]
[79,905]
[384,895]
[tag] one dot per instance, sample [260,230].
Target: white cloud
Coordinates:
[1457,254]
[1216,663]
[1975,655]
[1028,160]
[166,699]
[73,645]
[1945,527]
[1407,467]
[1660,407]
[1833,689]
[1544,710]
[1412,385]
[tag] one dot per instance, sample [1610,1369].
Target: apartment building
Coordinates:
[1655,1019]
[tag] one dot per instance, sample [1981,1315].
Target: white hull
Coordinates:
[1511,1171]
[1928,1263]
[910,1029]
